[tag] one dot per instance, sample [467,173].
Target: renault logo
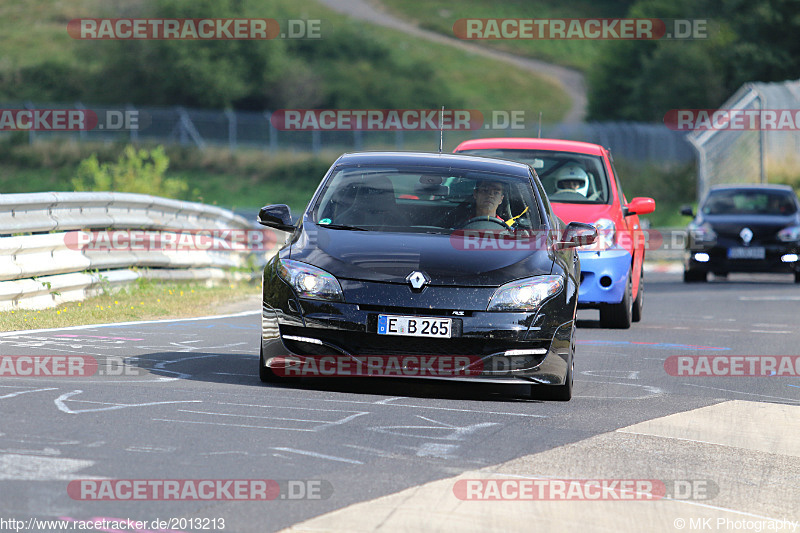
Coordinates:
[747,235]
[417,280]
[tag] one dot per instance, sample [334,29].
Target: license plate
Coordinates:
[415,326]
[756,252]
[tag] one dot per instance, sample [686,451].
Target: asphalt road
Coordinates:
[188,405]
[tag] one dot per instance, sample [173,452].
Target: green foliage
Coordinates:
[138,171]
[749,40]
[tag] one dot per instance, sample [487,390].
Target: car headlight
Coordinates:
[526,294]
[309,281]
[702,233]
[606,233]
[789,234]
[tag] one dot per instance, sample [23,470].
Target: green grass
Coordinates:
[440,15]
[34,34]
[144,300]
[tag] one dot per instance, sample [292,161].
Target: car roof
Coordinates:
[752,186]
[530,143]
[426,159]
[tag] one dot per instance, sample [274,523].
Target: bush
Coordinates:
[139,171]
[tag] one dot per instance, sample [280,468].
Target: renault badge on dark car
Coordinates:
[419,255]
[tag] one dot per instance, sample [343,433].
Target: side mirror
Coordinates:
[276,216]
[687,211]
[576,234]
[640,206]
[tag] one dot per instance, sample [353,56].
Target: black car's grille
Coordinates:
[356,343]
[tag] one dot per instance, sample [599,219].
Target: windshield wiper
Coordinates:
[342,226]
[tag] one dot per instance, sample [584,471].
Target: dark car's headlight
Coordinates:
[309,281]
[525,294]
[789,234]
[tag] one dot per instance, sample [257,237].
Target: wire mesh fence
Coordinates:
[254,130]
[757,150]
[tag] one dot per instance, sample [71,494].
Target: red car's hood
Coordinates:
[588,213]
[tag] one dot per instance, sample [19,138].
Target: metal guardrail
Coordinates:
[44,259]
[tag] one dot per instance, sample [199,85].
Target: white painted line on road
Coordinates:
[387,400]
[113,406]
[12,394]
[768,298]
[474,411]
[252,416]
[654,391]
[744,393]
[319,455]
[227,425]
[133,323]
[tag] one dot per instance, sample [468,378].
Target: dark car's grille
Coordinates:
[356,343]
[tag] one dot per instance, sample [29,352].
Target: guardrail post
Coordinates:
[273,133]
[31,133]
[231,129]
[134,131]
[316,141]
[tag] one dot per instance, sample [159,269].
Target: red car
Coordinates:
[582,186]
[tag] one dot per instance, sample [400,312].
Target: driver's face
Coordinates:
[571,184]
[488,195]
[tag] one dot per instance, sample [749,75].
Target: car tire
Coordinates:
[265,373]
[797,277]
[638,303]
[619,316]
[692,276]
[555,393]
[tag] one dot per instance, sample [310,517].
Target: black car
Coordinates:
[744,228]
[390,261]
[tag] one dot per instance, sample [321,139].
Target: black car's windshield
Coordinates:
[424,200]
[567,177]
[749,202]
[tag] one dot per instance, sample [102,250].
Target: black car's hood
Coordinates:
[763,226]
[391,257]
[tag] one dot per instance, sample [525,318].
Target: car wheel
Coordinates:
[638,303]
[265,373]
[691,276]
[619,316]
[797,277]
[555,393]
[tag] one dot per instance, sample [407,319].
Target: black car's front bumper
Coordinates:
[536,347]
[715,258]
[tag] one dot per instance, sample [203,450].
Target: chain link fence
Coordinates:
[751,155]
[242,129]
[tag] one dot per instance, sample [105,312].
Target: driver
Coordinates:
[488,196]
[572,178]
